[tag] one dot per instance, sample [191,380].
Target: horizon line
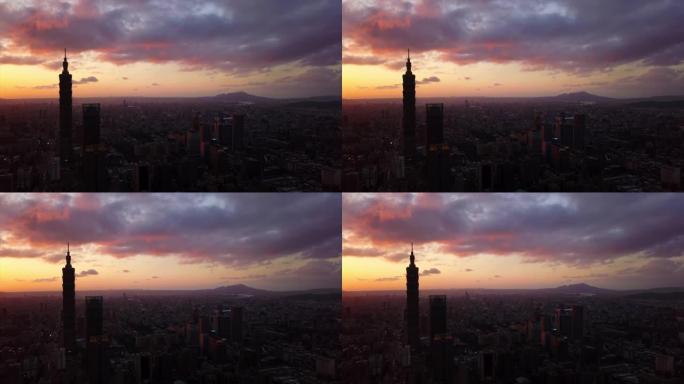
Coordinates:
[506,97]
[174,97]
[171,289]
[509,289]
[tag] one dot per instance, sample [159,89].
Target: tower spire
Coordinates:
[64,54]
[412,258]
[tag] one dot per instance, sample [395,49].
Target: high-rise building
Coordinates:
[68,303]
[563,321]
[434,121]
[94,316]
[236,324]
[94,172]
[577,322]
[409,112]
[438,316]
[95,340]
[578,130]
[412,302]
[65,113]
[91,126]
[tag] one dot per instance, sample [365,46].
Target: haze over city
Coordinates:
[170,241]
[513,48]
[528,241]
[174,48]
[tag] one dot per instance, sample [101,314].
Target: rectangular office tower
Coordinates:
[470,96]
[171,96]
[502,288]
[169,288]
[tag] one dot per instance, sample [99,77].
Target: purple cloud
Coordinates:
[233,229]
[573,229]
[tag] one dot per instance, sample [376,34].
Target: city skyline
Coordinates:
[171,49]
[471,241]
[505,49]
[186,241]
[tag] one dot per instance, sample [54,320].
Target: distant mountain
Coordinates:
[581,288]
[577,97]
[240,289]
[242,97]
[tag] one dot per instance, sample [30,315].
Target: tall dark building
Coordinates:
[412,302]
[95,340]
[563,321]
[438,316]
[68,303]
[434,121]
[94,172]
[409,116]
[236,324]
[577,322]
[93,317]
[578,131]
[91,126]
[65,113]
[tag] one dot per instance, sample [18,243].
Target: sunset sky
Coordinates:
[616,241]
[171,47]
[170,241]
[612,48]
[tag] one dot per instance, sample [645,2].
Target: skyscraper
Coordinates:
[68,305]
[91,126]
[93,317]
[94,173]
[409,115]
[412,302]
[65,113]
[434,120]
[438,316]
[95,340]
[577,322]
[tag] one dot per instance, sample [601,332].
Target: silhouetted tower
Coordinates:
[68,305]
[409,115]
[412,302]
[65,113]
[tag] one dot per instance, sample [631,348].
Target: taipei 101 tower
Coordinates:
[68,303]
[412,302]
[409,110]
[65,113]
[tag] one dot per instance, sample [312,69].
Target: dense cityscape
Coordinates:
[572,142]
[570,334]
[226,335]
[229,142]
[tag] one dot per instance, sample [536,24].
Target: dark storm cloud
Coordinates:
[238,36]
[571,35]
[234,229]
[574,229]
